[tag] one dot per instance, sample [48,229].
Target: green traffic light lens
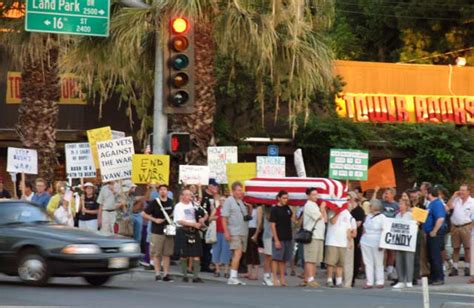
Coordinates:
[179,98]
[180,62]
[179,43]
[180,80]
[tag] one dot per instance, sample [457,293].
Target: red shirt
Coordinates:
[219,226]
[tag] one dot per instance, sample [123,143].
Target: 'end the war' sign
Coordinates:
[115,159]
[399,234]
[79,161]
[22,161]
[151,169]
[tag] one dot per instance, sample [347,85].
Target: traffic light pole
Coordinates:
[160,119]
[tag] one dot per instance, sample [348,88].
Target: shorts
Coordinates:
[183,248]
[335,256]
[267,246]
[238,242]
[285,253]
[313,252]
[461,236]
[161,246]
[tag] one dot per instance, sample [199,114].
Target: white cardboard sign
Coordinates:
[79,161]
[22,161]
[194,175]
[217,159]
[399,234]
[271,167]
[115,159]
[299,163]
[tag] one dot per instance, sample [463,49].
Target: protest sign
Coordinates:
[98,135]
[79,161]
[116,134]
[271,167]
[299,163]
[348,164]
[22,161]
[380,175]
[399,234]
[240,172]
[197,175]
[419,215]
[151,169]
[217,158]
[115,159]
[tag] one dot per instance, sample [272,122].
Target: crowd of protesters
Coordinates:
[209,231]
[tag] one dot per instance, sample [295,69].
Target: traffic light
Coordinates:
[178,77]
[179,143]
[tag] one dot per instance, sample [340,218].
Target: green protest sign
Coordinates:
[348,164]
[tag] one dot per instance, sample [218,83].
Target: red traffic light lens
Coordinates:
[179,43]
[180,80]
[179,98]
[180,25]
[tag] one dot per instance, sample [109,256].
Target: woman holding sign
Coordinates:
[405,260]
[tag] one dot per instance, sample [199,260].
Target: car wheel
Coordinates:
[33,268]
[97,280]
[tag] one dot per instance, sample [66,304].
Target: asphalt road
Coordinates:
[141,291]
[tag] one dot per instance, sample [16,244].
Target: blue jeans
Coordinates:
[434,256]
[137,220]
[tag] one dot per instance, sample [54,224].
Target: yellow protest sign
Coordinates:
[150,169]
[240,172]
[419,214]
[98,135]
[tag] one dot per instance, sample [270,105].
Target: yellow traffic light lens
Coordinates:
[180,80]
[180,25]
[180,43]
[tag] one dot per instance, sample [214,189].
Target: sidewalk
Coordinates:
[456,285]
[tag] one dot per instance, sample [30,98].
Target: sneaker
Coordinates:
[267,281]
[330,284]
[149,267]
[415,282]
[235,282]
[454,272]
[227,275]
[158,278]
[399,285]
[409,285]
[467,272]
[438,283]
[168,278]
[185,279]
[340,286]
[198,280]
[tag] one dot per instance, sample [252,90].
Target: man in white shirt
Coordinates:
[341,228]
[462,205]
[110,201]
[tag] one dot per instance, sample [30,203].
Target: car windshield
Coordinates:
[21,213]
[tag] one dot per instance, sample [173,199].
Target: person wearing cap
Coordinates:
[208,203]
[89,209]
[4,194]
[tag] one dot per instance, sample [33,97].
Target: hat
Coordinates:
[213,182]
[352,195]
[88,184]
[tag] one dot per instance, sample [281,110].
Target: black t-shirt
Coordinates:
[207,201]
[5,194]
[90,204]
[155,211]
[359,215]
[281,216]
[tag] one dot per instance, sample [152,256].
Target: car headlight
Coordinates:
[130,248]
[86,249]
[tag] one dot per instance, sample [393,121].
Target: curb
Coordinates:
[179,274]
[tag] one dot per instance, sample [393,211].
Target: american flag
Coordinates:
[264,191]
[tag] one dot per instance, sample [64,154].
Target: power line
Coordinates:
[395,16]
[423,5]
[440,54]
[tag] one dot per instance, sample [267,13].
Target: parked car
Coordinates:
[35,249]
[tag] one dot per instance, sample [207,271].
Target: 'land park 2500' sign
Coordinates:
[380,108]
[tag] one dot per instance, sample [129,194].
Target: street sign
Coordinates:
[273,150]
[79,17]
[348,164]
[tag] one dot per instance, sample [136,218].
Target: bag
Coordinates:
[211,234]
[170,229]
[125,227]
[304,236]
[191,235]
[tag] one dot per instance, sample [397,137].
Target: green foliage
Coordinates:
[436,153]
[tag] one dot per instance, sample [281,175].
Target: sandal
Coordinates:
[367,287]
[380,286]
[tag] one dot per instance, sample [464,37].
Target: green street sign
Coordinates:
[348,164]
[78,17]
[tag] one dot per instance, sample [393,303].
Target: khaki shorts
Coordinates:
[238,243]
[335,256]
[161,246]
[313,252]
[461,236]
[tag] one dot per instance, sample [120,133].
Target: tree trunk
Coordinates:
[200,124]
[38,112]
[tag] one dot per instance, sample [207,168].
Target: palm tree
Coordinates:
[37,55]
[277,40]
